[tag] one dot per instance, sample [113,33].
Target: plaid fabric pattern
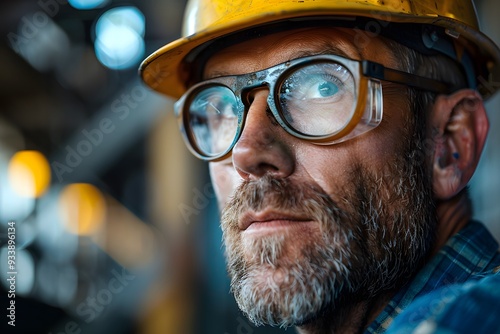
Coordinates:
[462,278]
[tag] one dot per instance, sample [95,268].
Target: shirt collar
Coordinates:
[469,252]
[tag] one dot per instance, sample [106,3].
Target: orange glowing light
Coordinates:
[82,208]
[29,173]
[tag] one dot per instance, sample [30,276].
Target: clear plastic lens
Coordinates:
[314,98]
[213,119]
[318,99]
[372,112]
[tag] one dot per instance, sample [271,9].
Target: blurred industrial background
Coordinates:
[116,228]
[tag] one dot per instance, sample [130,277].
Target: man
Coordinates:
[341,136]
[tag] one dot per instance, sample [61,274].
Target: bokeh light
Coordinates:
[29,173]
[25,269]
[119,40]
[56,284]
[51,234]
[87,4]
[12,205]
[82,208]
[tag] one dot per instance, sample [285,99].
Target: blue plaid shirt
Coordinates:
[458,291]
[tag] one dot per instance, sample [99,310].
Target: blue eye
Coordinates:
[322,83]
[311,87]
[327,89]
[319,87]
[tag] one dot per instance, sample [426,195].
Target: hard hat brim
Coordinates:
[165,71]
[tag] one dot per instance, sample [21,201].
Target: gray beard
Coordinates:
[372,239]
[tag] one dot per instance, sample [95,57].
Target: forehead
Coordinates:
[262,52]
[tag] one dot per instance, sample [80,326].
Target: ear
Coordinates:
[459,128]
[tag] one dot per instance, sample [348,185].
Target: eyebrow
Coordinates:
[328,49]
[215,74]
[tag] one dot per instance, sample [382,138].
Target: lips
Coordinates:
[269,218]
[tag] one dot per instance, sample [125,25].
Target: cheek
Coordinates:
[326,166]
[333,167]
[225,181]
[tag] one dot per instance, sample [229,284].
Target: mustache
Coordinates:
[281,195]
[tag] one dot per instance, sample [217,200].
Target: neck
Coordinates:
[350,320]
[452,215]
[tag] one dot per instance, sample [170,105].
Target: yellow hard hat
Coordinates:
[168,70]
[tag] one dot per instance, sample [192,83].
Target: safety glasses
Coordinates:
[324,99]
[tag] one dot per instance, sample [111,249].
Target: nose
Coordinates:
[262,148]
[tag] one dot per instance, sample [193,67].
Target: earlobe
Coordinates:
[460,126]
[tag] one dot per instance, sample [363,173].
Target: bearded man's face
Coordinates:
[310,229]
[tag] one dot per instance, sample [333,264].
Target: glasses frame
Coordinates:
[363,72]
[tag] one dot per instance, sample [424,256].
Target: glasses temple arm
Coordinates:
[378,71]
